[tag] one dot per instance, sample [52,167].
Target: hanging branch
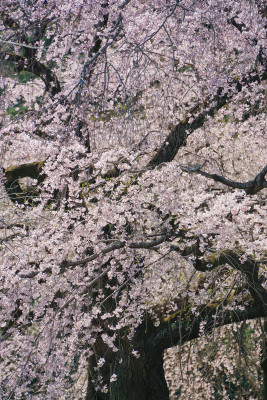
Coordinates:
[171,331]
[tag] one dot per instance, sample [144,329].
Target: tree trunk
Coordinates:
[142,379]
[139,378]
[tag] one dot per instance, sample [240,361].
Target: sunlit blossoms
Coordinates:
[133,197]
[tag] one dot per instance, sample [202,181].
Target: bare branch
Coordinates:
[148,245]
[115,246]
[250,187]
[19,44]
[101,50]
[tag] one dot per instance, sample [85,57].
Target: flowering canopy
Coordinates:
[132,184]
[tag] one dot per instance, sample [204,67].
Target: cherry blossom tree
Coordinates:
[133,190]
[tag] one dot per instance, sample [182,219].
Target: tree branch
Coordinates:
[178,135]
[187,326]
[117,245]
[19,44]
[184,325]
[101,50]
[250,187]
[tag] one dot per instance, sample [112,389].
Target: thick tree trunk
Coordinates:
[143,378]
[139,378]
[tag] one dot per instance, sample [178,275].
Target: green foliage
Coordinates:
[18,108]
[184,68]
[25,76]
[248,337]
[81,56]
[7,68]
[38,99]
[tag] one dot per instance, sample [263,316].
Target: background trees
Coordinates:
[133,212]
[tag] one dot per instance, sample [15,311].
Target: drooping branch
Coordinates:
[97,41]
[249,267]
[250,187]
[186,325]
[170,331]
[86,71]
[13,174]
[98,49]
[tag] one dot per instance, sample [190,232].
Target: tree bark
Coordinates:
[143,378]
[138,378]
